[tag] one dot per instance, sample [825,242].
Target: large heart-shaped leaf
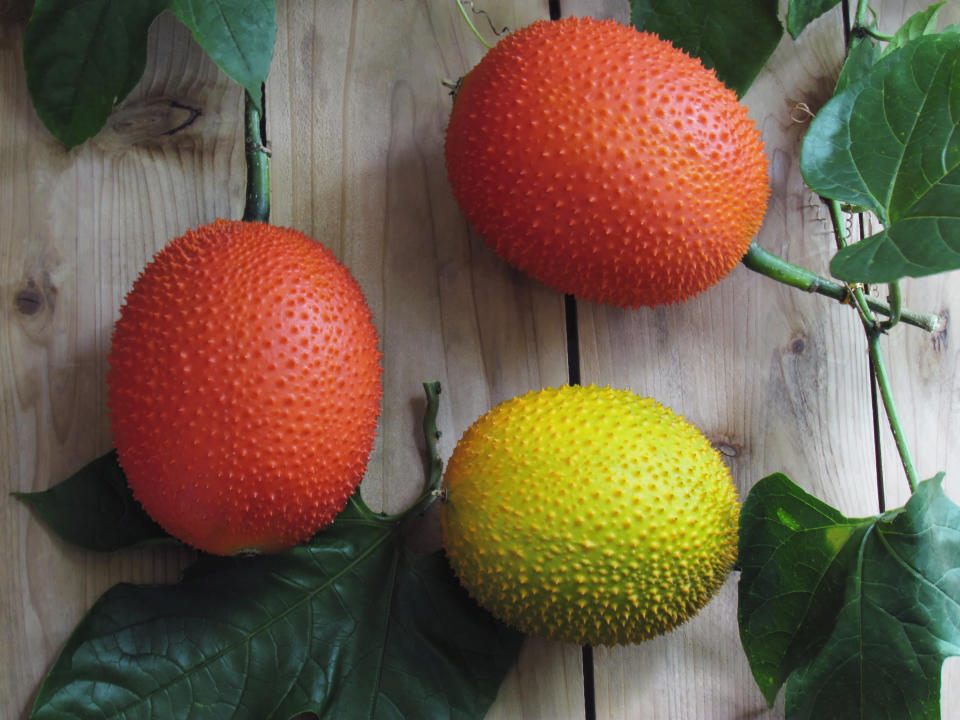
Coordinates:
[95,509]
[889,143]
[899,621]
[794,555]
[858,615]
[713,30]
[237,34]
[82,57]
[352,625]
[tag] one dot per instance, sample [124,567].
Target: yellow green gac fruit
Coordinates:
[589,515]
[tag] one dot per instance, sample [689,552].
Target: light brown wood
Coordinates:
[75,230]
[363,90]
[778,381]
[356,112]
[357,109]
[925,374]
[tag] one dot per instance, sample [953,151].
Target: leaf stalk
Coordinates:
[431,435]
[886,394]
[874,33]
[776,268]
[856,291]
[874,331]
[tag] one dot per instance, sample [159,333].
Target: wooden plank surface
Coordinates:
[778,381]
[925,374]
[756,367]
[75,229]
[362,87]
[356,110]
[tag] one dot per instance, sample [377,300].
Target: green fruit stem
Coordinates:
[434,464]
[430,436]
[776,268]
[257,207]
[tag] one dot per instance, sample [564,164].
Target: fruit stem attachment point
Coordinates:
[257,205]
[776,268]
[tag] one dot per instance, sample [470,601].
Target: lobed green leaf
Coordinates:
[351,625]
[857,615]
[794,553]
[888,143]
[713,30]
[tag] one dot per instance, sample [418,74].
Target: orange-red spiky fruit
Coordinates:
[606,163]
[244,387]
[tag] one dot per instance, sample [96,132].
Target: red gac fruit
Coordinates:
[244,387]
[606,163]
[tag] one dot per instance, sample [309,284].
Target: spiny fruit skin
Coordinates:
[589,515]
[606,163]
[244,387]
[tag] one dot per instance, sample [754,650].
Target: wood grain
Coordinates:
[925,374]
[773,377]
[356,112]
[789,390]
[76,229]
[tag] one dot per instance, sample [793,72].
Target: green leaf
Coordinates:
[801,13]
[714,31]
[794,554]
[237,34]
[865,51]
[900,620]
[82,57]
[859,615]
[861,57]
[889,143]
[352,625]
[95,509]
[918,24]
